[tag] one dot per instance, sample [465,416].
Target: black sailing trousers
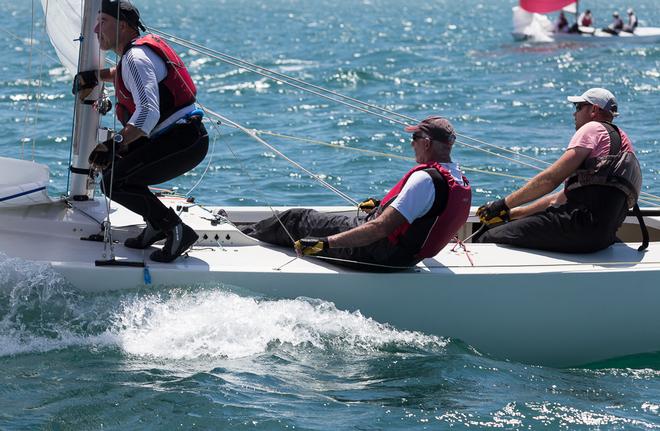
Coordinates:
[586,223]
[154,161]
[293,224]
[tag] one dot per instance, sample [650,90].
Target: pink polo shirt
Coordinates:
[594,136]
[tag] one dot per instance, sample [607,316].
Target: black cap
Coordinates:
[123,10]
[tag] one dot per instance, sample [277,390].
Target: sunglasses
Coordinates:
[580,105]
[418,135]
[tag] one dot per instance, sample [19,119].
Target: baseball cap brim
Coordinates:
[576,99]
[412,129]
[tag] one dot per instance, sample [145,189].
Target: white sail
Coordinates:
[63,24]
[531,26]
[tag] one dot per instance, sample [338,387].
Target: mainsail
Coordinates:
[63,24]
[544,6]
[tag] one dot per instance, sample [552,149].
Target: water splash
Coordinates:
[40,311]
[216,323]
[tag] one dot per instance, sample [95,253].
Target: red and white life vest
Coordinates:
[176,91]
[427,235]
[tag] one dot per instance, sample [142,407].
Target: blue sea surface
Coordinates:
[206,357]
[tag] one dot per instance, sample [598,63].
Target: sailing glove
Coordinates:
[368,205]
[494,212]
[310,246]
[102,154]
[84,83]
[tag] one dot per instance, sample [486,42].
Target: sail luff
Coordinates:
[63,24]
[544,6]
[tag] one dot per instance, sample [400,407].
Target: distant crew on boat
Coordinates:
[632,22]
[415,220]
[616,25]
[586,19]
[561,24]
[602,180]
[162,136]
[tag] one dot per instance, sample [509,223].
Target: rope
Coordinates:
[340,98]
[247,172]
[650,196]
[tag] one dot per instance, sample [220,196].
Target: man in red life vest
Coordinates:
[162,136]
[415,220]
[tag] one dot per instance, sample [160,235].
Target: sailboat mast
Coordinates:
[86,121]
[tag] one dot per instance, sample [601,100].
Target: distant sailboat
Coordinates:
[529,24]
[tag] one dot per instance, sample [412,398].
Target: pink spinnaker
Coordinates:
[544,6]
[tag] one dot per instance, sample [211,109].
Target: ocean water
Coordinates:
[207,357]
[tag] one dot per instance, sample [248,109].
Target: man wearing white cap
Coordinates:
[632,22]
[616,25]
[602,180]
[415,220]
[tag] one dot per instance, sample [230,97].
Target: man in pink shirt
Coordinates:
[601,177]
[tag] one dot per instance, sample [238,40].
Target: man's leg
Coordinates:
[154,162]
[294,224]
[291,225]
[567,229]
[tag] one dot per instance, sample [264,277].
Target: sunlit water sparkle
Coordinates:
[211,357]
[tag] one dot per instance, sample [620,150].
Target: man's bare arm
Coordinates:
[369,232]
[549,179]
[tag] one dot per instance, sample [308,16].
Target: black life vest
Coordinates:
[619,169]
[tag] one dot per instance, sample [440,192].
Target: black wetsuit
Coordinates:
[152,161]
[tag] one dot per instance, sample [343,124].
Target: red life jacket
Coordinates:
[427,235]
[176,91]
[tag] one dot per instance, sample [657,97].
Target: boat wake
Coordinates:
[40,312]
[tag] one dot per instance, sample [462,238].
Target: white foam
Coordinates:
[38,308]
[40,312]
[222,324]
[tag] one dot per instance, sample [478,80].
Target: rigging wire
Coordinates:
[289,80]
[247,172]
[29,89]
[254,135]
[377,153]
[40,51]
[38,92]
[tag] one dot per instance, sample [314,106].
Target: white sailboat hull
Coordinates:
[535,307]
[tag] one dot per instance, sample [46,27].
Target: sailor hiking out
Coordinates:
[602,180]
[415,220]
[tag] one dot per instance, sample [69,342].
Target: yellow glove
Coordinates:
[368,205]
[494,212]
[310,246]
